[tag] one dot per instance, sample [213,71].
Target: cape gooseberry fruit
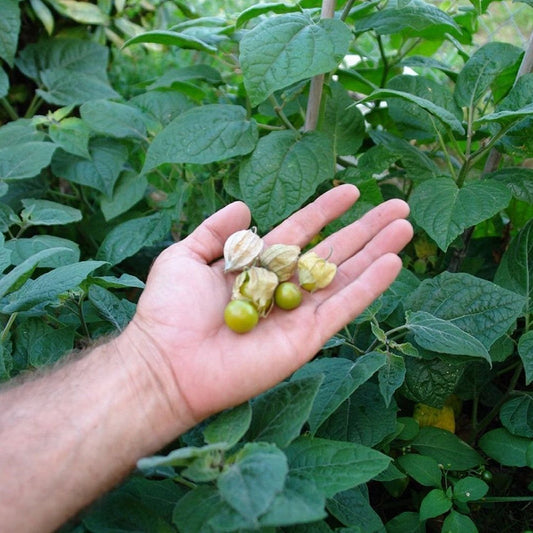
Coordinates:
[240,316]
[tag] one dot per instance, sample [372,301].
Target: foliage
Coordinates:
[108,153]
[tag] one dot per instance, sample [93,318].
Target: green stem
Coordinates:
[82,318]
[385,61]
[5,331]
[279,111]
[346,10]
[505,499]
[444,149]
[34,106]
[9,109]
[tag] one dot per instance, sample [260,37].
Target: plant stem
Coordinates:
[279,111]
[9,109]
[504,499]
[346,10]
[34,105]
[5,331]
[317,82]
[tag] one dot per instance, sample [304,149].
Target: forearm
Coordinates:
[69,437]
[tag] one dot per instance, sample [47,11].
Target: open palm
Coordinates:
[181,309]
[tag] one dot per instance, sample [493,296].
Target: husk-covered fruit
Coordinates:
[256,285]
[281,259]
[241,250]
[314,272]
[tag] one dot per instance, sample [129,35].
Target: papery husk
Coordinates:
[256,285]
[241,250]
[314,272]
[282,259]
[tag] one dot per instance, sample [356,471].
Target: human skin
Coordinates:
[73,433]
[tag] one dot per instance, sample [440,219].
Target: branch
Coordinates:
[317,82]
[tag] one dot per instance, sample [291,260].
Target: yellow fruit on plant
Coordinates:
[442,418]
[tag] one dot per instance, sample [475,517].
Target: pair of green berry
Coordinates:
[241,316]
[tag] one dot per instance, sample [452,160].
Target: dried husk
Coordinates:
[241,250]
[282,259]
[256,285]
[314,272]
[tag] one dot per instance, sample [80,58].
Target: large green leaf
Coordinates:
[129,190]
[266,7]
[525,351]
[334,466]
[423,469]
[47,213]
[479,307]
[515,271]
[448,118]
[446,448]
[443,336]
[415,18]
[114,310]
[100,172]
[343,121]
[352,508]
[285,49]
[506,448]
[518,179]
[391,376]
[203,135]
[4,83]
[279,414]
[71,134]
[362,418]
[414,120]
[250,484]
[9,29]
[23,248]
[128,238]
[341,378]
[434,503]
[482,69]
[113,119]
[229,426]
[25,160]
[445,211]
[516,415]
[48,287]
[284,171]
[171,38]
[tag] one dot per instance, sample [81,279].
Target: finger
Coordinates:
[391,239]
[343,306]
[301,227]
[206,242]
[350,239]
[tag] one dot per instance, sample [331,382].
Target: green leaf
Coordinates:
[282,50]
[22,249]
[174,77]
[342,121]
[445,211]
[113,119]
[25,160]
[479,307]
[263,8]
[525,351]
[48,287]
[82,12]
[116,311]
[108,157]
[443,336]
[128,238]
[469,489]
[518,179]
[435,503]
[362,418]
[482,69]
[443,115]
[125,281]
[406,521]
[19,132]
[415,18]
[66,87]
[423,469]
[458,523]
[47,213]
[352,508]
[506,448]
[9,29]
[516,415]
[229,426]
[129,190]
[250,484]
[162,106]
[283,172]
[341,379]
[23,271]
[414,120]
[298,502]
[430,381]
[515,271]
[44,15]
[279,414]
[391,376]
[446,448]
[506,117]
[72,135]
[334,466]
[203,135]
[171,38]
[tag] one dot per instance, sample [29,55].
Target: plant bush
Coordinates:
[125,123]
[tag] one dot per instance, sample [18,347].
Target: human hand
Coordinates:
[203,366]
